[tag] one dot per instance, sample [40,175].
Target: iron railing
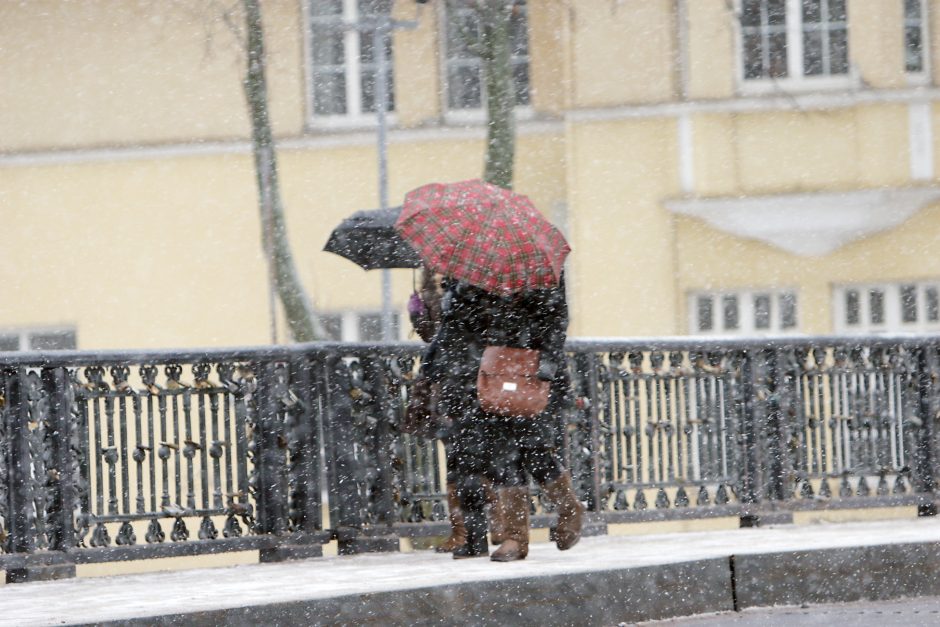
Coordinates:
[112,456]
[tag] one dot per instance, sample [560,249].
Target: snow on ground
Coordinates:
[150,594]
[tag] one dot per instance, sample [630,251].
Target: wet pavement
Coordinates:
[904,612]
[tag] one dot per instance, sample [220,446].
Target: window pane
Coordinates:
[777,12]
[909,303]
[705,314]
[836,10]
[327,47]
[367,7]
[729,307]
[762,311]
[463,34]
[329,74]
[518,34]
[367,47]
[912,9]
[390,88]
[933,304]
[326,7]
[52,340]
[9,342]
[329,92]
[520,80]
[367,85]
[812,53]
[913,49]
[838,51]
[852,312]
[750,12]
[812,11]
[463,30]
[876,306]
[753,56]
[464,88]
[778,55]
[788,314]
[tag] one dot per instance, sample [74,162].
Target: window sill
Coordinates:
[801,85]
[467,117]
[919,79]
[348,122]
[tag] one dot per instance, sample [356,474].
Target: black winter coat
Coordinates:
[472,318]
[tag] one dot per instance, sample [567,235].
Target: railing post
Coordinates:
[21,498]
[586,389]
[345,506]
[377,533]
[383,501]
[271,457]
[304,446]
[762,474]
[749,469]
[64,469]
[300,454]
[925,470]
[29,493]
[346,476]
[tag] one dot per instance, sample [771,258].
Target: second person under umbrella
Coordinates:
[503,287]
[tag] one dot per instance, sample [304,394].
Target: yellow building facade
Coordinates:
[719,166]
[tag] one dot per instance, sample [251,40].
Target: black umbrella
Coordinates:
[369,239]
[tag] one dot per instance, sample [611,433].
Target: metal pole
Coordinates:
[381,101]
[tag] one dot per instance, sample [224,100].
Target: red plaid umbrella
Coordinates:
[488,236]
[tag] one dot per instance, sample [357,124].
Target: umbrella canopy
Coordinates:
[369,239]
[488,236]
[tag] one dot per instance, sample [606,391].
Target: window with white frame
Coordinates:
[357,326]
[915,36]
[793,40]
[466,89]
[343,60]
[38,339]
[743,312]
[910,306]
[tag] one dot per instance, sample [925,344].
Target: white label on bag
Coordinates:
[509,386]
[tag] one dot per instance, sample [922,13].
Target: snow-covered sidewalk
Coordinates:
[154,594]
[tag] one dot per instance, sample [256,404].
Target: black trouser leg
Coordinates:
[472,497]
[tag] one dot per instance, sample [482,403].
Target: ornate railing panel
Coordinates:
[133,455]
[668,428]
[128,456]
[851,420]
[169,447]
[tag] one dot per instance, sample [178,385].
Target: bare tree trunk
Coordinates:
[500,94]
[301,318]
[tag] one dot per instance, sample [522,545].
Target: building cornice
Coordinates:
[783,101]
[320,141]
[363,137]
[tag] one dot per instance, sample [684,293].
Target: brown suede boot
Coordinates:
[567,531]
[515,504]
[458,531]
[495,515]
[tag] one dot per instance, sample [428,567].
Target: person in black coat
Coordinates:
[503,450]
[425,313]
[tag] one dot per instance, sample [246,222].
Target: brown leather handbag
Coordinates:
[507,384]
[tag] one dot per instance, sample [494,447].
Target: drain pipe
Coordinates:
[682,47]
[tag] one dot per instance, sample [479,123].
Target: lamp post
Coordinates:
[383,27]
[379,35]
